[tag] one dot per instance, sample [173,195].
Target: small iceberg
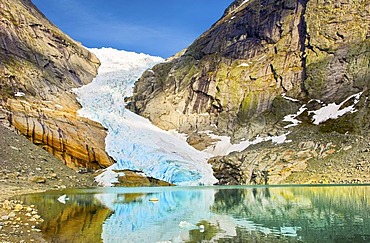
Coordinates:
[189,226]
[63,199]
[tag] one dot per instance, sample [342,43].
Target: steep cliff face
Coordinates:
[258,50]
[232,73]
[337,48]
[232,78]
[39,66]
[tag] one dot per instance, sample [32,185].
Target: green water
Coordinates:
[206,214]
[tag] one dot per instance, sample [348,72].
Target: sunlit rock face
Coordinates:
[337,48]
[232,74]
[255,69]
[39,65]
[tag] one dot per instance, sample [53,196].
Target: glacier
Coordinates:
[132,141]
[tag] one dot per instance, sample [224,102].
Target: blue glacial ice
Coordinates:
[132,140]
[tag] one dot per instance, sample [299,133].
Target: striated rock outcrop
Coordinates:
[39,66]
[232,78]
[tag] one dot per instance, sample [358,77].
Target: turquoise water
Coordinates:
[206,214]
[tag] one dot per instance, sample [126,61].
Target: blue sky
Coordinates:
[161,27]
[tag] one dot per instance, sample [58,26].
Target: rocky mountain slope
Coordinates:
[39,66]
[26,168]
[262,61]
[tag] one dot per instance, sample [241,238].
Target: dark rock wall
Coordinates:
[231,74]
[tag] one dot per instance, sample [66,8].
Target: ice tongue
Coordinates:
[132,140]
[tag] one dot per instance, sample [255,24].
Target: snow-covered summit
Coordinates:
[132,140]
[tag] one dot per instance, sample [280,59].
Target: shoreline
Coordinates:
[24,169]
[15,224]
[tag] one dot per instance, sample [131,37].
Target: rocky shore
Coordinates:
[27,168]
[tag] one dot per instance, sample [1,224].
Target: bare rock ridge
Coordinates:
[39,66]
[231,80]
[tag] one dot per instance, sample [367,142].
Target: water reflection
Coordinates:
[207,214]
[142,220]
[79,220]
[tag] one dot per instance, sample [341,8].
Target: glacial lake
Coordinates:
[206,214]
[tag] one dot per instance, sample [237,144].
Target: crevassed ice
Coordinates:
[132,140]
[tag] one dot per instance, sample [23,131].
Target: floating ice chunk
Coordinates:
[201,228]
[188,226]
[154,200]
[63,199]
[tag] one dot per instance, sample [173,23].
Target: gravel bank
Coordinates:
[27,168]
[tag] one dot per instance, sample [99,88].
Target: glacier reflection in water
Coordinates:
[207,214]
